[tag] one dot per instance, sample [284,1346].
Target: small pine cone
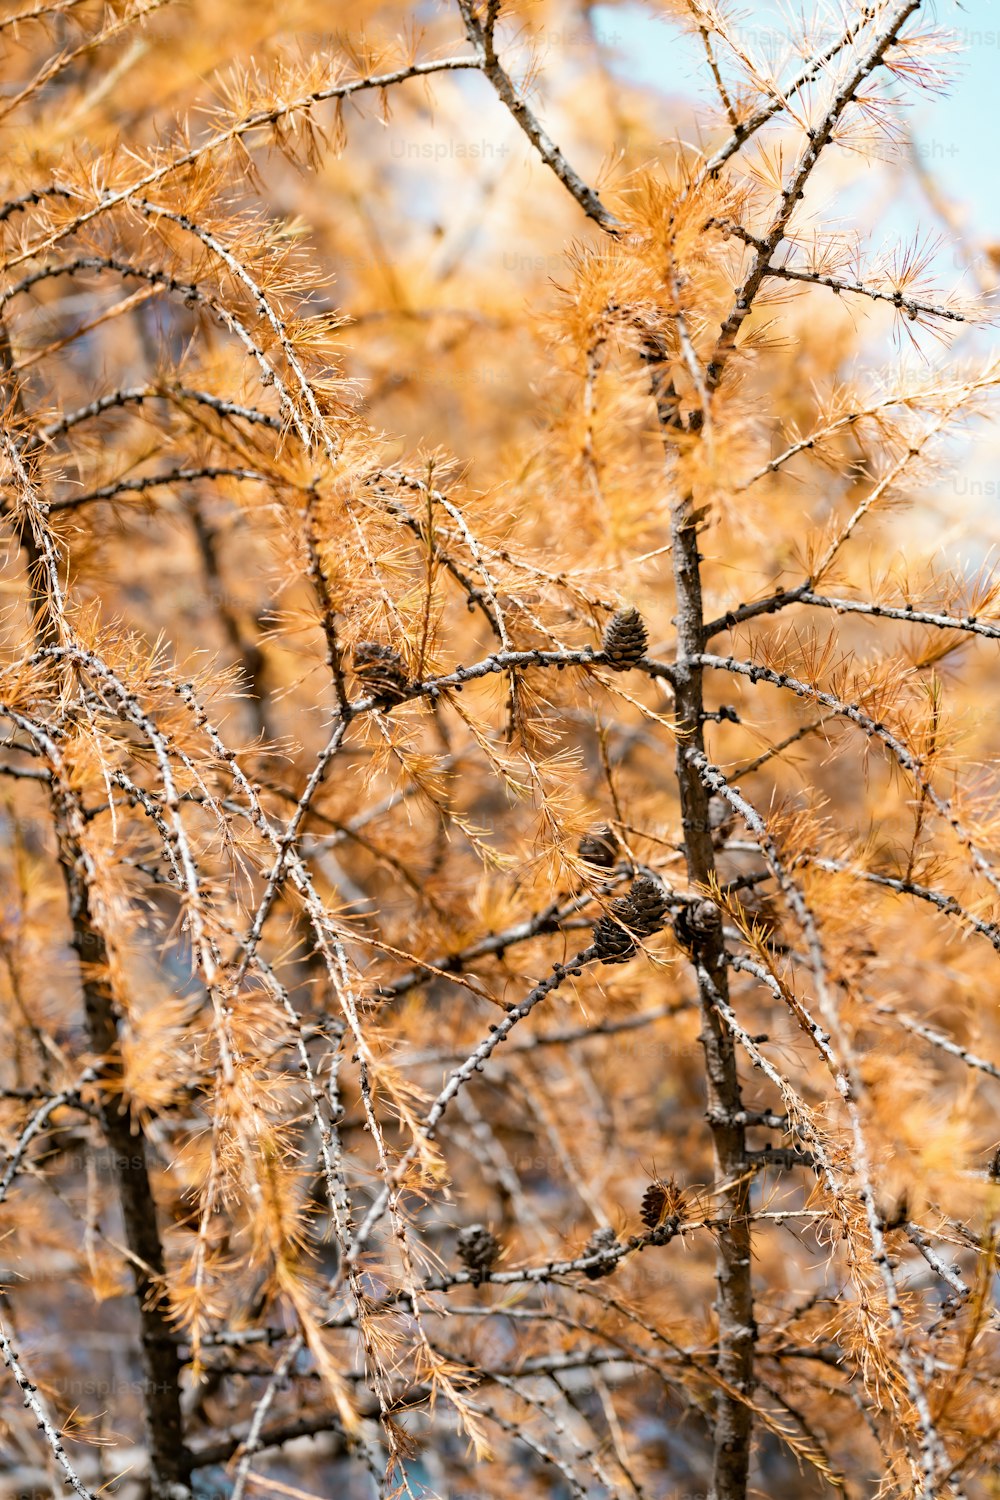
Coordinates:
[662,1200]
[601,1242]
[654,1201]
[648,901]
[381,670]
[599,847]
[642,912]
[693,920]
[478,1250]
[613,943]
[625,640]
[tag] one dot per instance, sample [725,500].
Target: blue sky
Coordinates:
[958,133]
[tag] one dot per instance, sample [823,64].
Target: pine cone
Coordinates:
[649,905]
[599,847]
[625,640]
[693,921]
[642,912]
[478,1250]
[381,670]
[614,945]
[662,1200]
[601,1242]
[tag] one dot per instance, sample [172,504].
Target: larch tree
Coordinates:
[499,834]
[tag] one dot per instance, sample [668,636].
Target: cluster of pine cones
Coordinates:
[637,915]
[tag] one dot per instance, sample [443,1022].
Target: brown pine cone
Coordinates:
[381,670]
[601,1242]
[642,912]
[625,640]
[599,847]
[662,1200]
[693,921]
[613,943]
[649,905]
[478,1250]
